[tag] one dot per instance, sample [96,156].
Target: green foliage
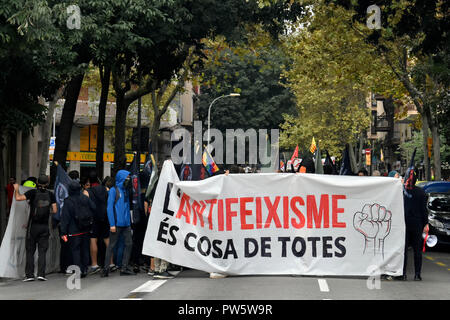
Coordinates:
[252,70]
[333,72]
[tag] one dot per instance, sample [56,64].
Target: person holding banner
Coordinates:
[42,202]
[416,220]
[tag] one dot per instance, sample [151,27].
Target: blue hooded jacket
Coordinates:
[123,203]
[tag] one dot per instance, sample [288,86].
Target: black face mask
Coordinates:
[127,182]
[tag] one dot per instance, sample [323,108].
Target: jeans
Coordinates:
[113,240]
[38,234]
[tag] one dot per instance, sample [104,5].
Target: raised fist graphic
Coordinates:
[374,223]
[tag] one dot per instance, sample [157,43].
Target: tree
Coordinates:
[413,35]
[253,70]
[331,79]
[153,45]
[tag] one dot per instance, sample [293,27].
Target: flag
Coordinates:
[135,188]
[313,146]
[153,176]
[295,154]
[61,189]
[318,165]
[346,168]
[209,163]
[329,166]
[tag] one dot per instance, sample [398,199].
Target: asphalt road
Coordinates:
[196,285]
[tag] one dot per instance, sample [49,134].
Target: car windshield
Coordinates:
[439,203]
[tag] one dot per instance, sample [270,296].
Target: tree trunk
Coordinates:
[436,153]
[105,76]
[47,131]
[119,137]
[389,108]
[426,160]
[65,126]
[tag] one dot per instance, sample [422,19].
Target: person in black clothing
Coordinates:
[65,257]
[139,228]
[42,202]
[73,228]
[416,220]
[100,227]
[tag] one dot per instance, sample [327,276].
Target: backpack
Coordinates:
[84,218]
[41,206]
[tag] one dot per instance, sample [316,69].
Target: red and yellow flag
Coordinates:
[313,146]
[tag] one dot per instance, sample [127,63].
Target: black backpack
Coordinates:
[41,206]
[83,215]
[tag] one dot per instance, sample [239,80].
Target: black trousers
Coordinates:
[37,234]
[414,239]
[138,240]
[65,256]
[79,248]
[113,239]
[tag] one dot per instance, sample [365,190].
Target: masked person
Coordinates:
[416,220]
[42,203]
[119,221]
[76,225]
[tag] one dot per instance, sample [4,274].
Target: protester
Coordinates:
[120,221]
[416,220]
[65,257]
[93,179]
[76,225]
[139,228]
[376,173]
[85,185]
[394,174]
[42,202]
[363,172]
[100,227]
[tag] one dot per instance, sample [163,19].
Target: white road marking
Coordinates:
[323,285]
[149,286]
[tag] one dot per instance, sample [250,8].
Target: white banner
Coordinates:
[12,249]
[279,223]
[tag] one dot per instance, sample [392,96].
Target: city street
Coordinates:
[196,285]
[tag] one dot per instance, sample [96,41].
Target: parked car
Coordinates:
[438,205]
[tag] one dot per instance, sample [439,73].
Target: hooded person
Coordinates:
[119,218]
[76,225]
[416,218]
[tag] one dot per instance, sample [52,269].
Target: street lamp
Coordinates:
[209,110]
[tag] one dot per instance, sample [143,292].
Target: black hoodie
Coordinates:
[77,201]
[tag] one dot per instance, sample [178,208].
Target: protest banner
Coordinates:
[278,223]
[12,249]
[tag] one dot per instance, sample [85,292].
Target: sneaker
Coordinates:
[163,275]
[151,272]
[113,267]
[27,279]
[40,278]
[94,269]
[216,275]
